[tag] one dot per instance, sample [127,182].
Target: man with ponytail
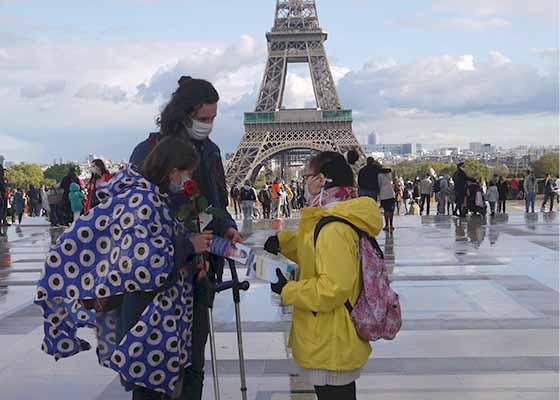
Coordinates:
[190,115]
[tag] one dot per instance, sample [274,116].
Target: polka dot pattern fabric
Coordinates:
[123,245]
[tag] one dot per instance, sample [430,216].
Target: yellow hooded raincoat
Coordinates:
[323,335]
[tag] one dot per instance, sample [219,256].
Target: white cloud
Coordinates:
[217,64]
[452,85]
[94,91]
[36,90]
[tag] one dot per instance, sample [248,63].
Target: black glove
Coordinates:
[272,245]
[278,286]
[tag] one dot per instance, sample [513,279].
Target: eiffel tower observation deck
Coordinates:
[272,131]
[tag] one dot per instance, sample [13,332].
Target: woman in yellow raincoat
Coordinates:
[323,339]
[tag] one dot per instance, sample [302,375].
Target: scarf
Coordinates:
[333,195]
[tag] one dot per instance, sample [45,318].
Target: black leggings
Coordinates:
[347,392]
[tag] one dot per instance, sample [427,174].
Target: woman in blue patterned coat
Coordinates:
[123,270]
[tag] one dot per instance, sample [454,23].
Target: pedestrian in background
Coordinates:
[234,194]
[34,201]
[54,197]
[76,197]
[451,197]
[387,197]
[515,188]
[368,184]
[265,199]
[65,209]
[274,189]
[19,205]
[248,198]
[492,196]
[548,193]
[426,188]
[530,187]
[503,192]
[100,175]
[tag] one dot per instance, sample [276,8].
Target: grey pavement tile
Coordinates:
[413,366]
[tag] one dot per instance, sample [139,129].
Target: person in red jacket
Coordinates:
[99,176]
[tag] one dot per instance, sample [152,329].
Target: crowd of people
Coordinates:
[61,203]
[277,199]
[456,195]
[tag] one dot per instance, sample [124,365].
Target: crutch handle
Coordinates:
[220,287]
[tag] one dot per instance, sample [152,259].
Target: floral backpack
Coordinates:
[377,313]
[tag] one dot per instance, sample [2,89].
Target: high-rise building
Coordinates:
[409,148]
[476,147]
[372,138]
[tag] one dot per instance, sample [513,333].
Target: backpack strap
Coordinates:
[327,220]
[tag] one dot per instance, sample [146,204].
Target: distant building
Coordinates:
[476,147]
[2,159]
[372,139]
[400,149]
[409,148]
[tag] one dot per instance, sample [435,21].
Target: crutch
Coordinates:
[236,286]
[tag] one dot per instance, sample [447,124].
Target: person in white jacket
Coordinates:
[387,197]
[492,196]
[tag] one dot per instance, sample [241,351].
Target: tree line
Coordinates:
[23,175]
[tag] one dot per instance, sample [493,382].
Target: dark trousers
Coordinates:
[548,197]
[194,374]
[425,200]
[236,206]
[266,210]
[347,392]
[502,206]
[52,214]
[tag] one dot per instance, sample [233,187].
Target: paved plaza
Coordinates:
[480,308]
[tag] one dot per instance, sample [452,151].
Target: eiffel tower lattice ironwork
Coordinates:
[270,130]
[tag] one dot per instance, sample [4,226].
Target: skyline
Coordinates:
[78,78]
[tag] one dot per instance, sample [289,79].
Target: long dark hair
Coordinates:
[190,96]
[101,165]
[334,166]
[168,154]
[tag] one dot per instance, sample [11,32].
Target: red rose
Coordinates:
[190,188]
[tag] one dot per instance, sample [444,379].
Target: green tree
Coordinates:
[59,171]
[475,169]
[23,175]
[547,164]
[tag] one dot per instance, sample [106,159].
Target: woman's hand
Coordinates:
[234,236]
[202,241]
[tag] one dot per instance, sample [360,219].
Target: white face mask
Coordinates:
[199,130]
[306,193]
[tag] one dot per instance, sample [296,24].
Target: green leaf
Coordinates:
[191,226]
[202,204]
[217,212]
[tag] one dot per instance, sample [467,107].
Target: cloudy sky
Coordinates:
[80,77]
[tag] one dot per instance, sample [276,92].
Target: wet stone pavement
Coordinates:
[480,307]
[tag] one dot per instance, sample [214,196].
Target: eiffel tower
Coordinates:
[272,131]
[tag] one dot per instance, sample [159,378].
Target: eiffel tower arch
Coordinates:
[272,130]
